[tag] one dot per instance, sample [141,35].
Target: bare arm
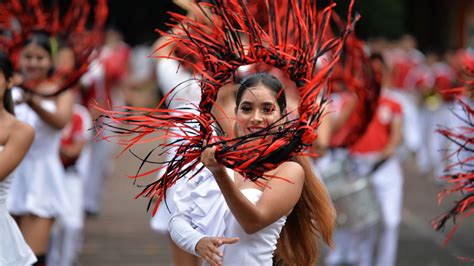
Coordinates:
[324,134]
[162,47]
[15,149]
[395,137]
[345,113]
[63,113]
[277,200]
[72,151]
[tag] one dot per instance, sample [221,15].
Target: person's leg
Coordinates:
[363,245]
[94,181]
[55,246]
[337,255]
[390,198]
[37,233]
[71,245]
[423,156]
[73,225]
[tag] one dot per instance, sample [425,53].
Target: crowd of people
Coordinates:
[52,165]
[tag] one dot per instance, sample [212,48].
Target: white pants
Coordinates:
[433,153]
[358,247]
[94,181]
[66,241]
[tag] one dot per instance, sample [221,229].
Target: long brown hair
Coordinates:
[8,102]
[313,218]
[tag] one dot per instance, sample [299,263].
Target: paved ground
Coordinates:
[121,234]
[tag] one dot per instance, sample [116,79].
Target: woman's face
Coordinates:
[257,109]
[35,62]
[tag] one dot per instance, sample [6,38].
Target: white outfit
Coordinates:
[67,238]
[99,159]
[171,75]
[202,210]
[187,94]
[387,182]
[95,156]
[254,249]
[38,185]
[14,251]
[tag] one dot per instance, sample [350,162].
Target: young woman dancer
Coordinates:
[15,140]
[294,206]
[37,194]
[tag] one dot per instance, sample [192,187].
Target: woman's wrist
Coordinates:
[32,100]
[219,171]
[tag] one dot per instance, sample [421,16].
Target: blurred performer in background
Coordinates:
[67,236]
[44,99]
[38,196]
[102,85]
[402,60]
[375,154]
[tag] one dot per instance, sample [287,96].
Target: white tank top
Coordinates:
[254,249]
[47,138]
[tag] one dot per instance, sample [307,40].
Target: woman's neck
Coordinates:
[2,107]
[3,111]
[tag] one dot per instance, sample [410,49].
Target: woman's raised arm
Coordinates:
[277,200]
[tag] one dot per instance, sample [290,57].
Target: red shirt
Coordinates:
[377,135]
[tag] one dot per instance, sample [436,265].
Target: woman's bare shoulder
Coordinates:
[23,131]
[291,170]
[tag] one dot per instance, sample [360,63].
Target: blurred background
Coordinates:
[119,233]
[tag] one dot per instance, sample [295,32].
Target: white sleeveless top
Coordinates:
[254,249]
[13,248]
[203,206]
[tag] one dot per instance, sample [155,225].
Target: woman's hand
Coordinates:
[26,97]
[208,158]
[208,248]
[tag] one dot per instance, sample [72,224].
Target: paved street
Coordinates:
[121,234]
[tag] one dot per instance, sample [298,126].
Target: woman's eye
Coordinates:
[246,108]
[267,109]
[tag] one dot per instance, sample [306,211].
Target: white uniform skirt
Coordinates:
[38,188]
[13,249]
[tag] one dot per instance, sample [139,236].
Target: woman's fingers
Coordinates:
[215,250]
[213,258]
[212,253]
[228,240]
[208,157]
